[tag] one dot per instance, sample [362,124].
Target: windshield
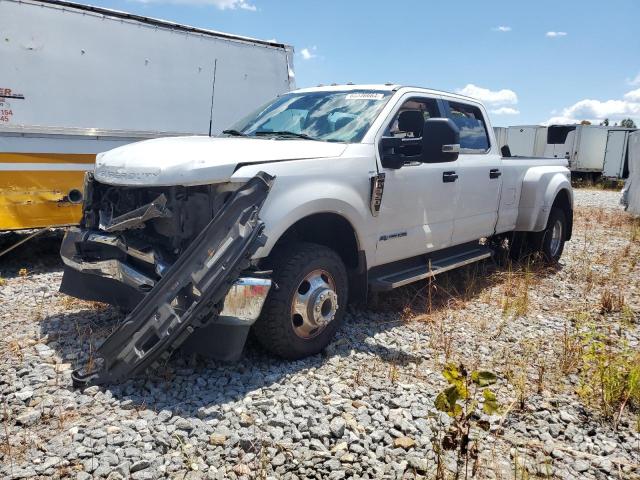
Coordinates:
[329,116]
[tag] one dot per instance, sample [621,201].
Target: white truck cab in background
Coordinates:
[376,186]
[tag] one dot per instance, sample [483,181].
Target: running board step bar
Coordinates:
[190,294]
[430,268]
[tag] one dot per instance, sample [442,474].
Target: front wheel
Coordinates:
[307,302]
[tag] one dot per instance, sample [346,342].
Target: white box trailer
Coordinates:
[527,140]
[631,198]
[616,155]
[501,136]
[589,148]
[77,80]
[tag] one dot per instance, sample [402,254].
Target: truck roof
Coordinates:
[389,87]
[160,23]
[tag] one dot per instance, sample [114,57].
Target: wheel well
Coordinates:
[328,229]
[337,233]
[563,202]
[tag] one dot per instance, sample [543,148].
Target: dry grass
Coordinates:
[72,303]
[603,284]
[611,302]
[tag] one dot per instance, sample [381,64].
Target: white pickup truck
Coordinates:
[358,188]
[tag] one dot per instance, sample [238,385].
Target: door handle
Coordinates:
[448,177]
[494,173]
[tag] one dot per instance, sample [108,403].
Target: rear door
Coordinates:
[615,153]
[479,174]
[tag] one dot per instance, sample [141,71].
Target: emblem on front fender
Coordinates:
[377,189]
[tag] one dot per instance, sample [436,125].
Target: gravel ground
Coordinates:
[609,199]
[362,409]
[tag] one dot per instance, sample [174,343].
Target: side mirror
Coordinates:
[388,157]
[440,140]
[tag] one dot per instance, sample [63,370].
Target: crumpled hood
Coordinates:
[199,160]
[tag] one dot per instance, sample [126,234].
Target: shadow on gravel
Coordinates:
[452,289]
[193,387]
[40,254]
[196,387]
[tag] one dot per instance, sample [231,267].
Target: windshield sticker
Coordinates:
[365,96]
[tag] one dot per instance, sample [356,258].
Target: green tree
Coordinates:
[628,123]
[605,122]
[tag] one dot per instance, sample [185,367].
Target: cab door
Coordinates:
[479,176]
[419,199]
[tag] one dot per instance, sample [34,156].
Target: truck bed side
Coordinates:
[530,187]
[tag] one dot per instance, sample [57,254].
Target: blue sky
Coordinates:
[534,62]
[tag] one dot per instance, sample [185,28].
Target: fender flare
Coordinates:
[540,188]
[279,217]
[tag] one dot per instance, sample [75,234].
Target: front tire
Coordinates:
[306,305]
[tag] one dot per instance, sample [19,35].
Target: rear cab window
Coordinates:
[474,136]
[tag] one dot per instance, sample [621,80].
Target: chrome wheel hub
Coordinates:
[556,238]
[314,305]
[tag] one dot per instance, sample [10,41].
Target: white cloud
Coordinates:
[506,111]
[597,110]
[492,98]
[308,53]
[220,4]
[634,81]
[556,34]
[633,95]
[502,28]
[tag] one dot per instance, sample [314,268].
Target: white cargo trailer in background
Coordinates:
[527,140]
[77,80]
[588,146]
[616,163]
[501,136]
[631,198]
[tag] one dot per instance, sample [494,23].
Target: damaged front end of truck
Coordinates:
[178,259]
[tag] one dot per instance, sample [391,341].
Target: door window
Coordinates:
[473,129]
[409,121]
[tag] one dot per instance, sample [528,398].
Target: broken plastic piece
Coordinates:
[171,311]
[135,218]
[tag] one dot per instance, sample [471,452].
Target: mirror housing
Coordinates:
[440,140]
[388,158]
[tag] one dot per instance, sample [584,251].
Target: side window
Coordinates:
[409,121]
[473,129]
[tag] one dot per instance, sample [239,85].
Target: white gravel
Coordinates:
[336,415]
[608,199]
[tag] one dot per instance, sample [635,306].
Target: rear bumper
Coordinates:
[117,282]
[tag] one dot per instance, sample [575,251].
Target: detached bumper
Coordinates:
[203,290]
[116,282]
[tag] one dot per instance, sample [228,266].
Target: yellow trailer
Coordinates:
[42,172]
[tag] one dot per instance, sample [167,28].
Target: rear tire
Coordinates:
[550,242]
[306,305]
[518,246]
